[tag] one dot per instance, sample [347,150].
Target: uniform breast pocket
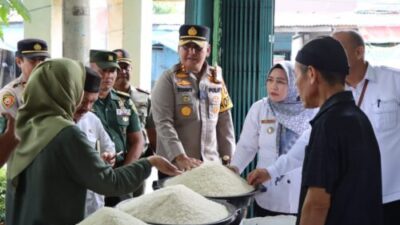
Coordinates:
[123,121]
[214,105]
[186,106]
[385,114]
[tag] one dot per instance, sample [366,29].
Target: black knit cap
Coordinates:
[92,81]
[32,48]
[324,53]
[197,34]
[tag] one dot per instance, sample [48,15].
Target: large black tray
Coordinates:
[232,210]
[235,198]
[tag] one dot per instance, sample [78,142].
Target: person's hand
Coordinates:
[9,133]
[258,176]
[109,157]
[163,165]
[185,163]
[233,168]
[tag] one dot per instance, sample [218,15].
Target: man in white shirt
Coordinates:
[376,90]
[91,125]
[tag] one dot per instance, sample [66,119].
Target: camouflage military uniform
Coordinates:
[192,115]
[11,96]
[142,102]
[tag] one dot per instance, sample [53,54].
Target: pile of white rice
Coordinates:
[212,179]
[111,216]
[271,220]
[174,205]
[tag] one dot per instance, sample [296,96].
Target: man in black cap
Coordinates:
[30,52]
[341,179]
[91,125]
[117,113]
[191,106]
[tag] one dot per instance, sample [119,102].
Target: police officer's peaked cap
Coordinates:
[32,48]
[324,53]
[123,56]
[104,59]
[199,35]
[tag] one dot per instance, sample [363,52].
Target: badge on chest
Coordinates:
[270,124]
[123,112]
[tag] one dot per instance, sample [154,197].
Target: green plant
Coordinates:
[9,6]
[3,184]
[163,8]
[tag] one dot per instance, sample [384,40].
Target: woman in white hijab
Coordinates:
[272,126]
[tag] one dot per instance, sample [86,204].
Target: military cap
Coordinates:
[32,48]
[122,56]
[199,35]
[104,59]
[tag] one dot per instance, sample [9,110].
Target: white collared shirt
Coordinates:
[381,103]
[259,136]
[91,125]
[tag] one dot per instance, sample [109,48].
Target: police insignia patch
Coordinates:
[37,47]
[186,111]
[186,99]
[215,109]
[192,31]
[8,100]
[226,102]
[216,100]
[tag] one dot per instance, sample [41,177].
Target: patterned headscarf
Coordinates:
[52,93]
[290,112]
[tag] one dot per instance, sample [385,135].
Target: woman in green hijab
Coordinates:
[54,164]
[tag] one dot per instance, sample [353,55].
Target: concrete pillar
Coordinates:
[137,39]
[46,23]
[130,27]
[76,29]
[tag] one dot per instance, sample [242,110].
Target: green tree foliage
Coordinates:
[163,8]
[9,6]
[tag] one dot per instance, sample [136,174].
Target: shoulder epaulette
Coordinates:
[176,68]
[18,83]
[123,94]
[143,91]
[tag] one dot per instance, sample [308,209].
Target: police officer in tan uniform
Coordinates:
[191,106]
[30,52]
[140,98]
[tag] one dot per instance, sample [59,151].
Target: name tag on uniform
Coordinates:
[267,121]
[123,112]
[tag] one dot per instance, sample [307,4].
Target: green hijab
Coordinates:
[52,93]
